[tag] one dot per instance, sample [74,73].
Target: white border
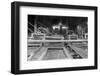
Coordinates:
[26,65]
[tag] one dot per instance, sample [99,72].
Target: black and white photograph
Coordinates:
[57,37]
[53,37]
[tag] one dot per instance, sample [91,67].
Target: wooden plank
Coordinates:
[81,52]
[67,53]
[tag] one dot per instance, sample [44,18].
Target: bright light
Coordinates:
[54,27]
[64,27]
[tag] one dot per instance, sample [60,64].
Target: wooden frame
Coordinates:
[15,37]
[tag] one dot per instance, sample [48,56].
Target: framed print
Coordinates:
[52,37]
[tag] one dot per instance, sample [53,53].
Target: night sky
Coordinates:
[49,21]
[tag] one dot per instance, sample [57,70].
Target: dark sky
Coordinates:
[49,21]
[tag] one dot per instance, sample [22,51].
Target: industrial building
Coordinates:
[53,37]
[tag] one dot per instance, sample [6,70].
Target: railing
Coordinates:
[58,40]
[54,38]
